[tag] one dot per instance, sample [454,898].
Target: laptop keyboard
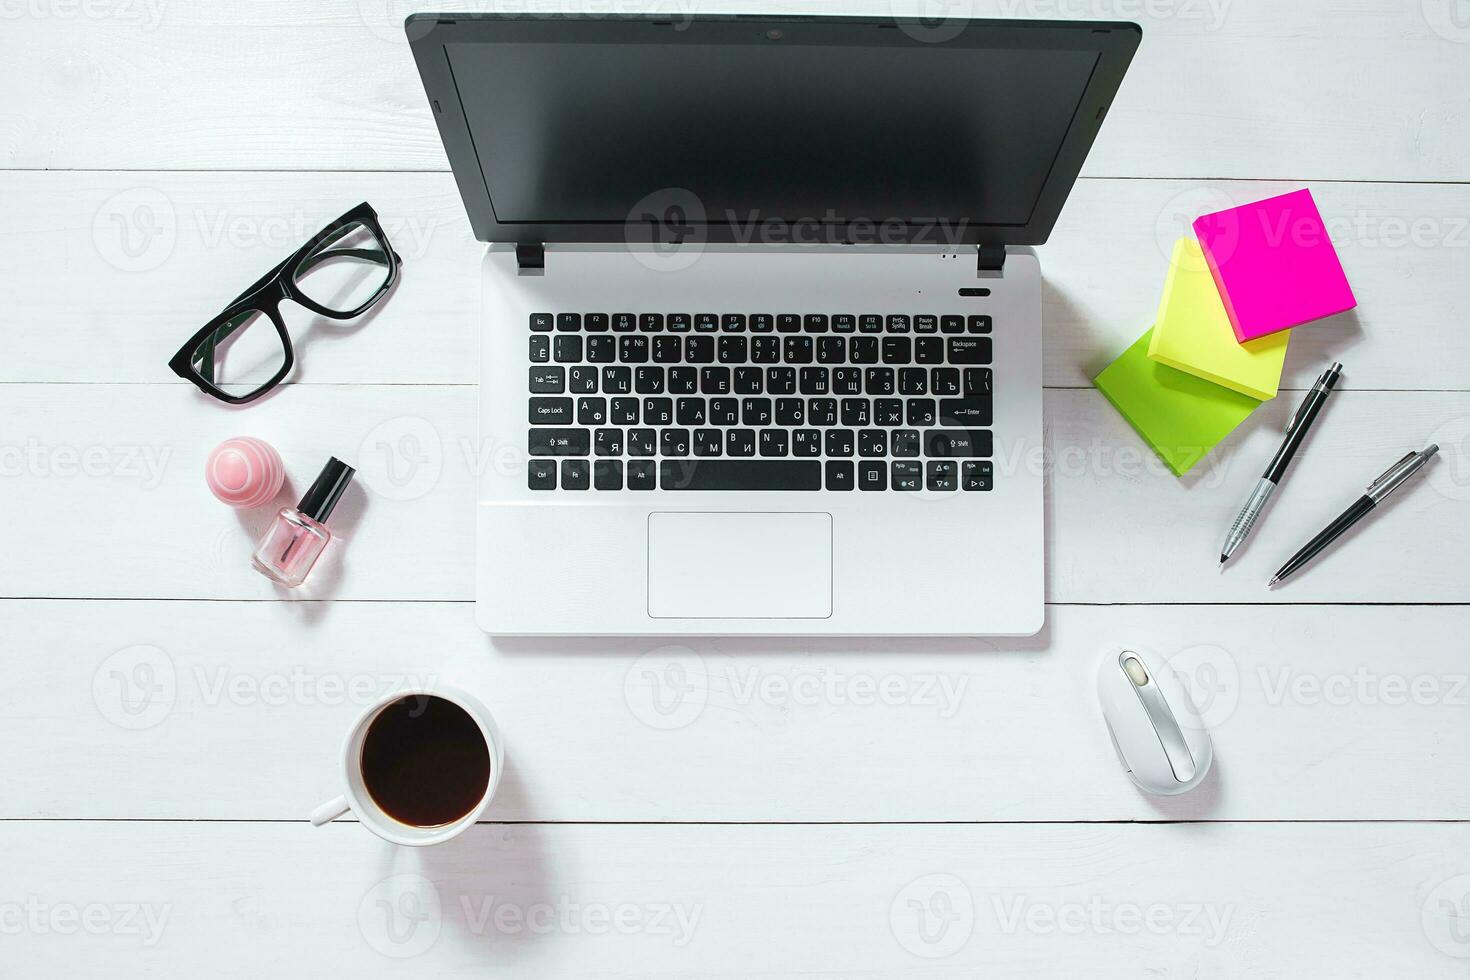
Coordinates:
[705,401]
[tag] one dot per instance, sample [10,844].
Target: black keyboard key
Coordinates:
[790,411]
[906,474]
[591,411]
[699,350]
[649,380]
[878,381]
[952,324]
[595,322]
[714,380]
[821,411]
[724,411]
[840,442]
[541,474]
[788,323]
[550,411]
[740,442]
[567,350]
[541,322]
[732,350]
[774,442]
[965,411]
[673,442]
[839,474]
[926,323]
[540,349]
[844,323]
[943,474]
[548,380]
[958,443]
[806,442]
[929,350]
[856,412]
[978,381]
[898,350]
[749,380]
[980,323]
[633,349]
[733,323]
[559,442]
[863,350]
[870,323]
[765,350]
[624,411]
[969,350]
[619,380]
[607,442]
[872,475]
[781,381]
[872,442]
[977,475]
[683,380]
[607,474]
[667,349]
[642,474]
[708,442]
[762,323]
[815,380]
[602,350]
[574,474]
[920,412]
[582,380]
[798,350]
[642,442]
[692,411]
[847,381]
[679,323]
[831,350]
[624,323]
[569,321]
[945,381]
[651,322]
[755,411]
[913,381]
[905,442]
[898,323]
[741,474]
[814,323]
[706,323]
[888,412]
[658,411]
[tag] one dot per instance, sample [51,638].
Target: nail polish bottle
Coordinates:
[295,539]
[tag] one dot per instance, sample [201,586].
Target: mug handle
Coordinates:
[329,811]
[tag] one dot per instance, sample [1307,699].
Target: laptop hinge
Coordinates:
[990,258]
[530,256]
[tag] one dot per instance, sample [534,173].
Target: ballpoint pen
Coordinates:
[1296,431]
[1380,488]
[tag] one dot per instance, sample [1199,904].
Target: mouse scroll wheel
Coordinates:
[1133,667]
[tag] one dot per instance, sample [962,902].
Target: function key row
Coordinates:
[667,349]
[760,323]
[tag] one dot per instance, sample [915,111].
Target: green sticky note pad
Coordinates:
[1180,416]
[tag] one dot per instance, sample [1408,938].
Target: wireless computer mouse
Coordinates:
[1154,724]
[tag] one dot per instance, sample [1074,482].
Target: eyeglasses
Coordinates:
[341,272]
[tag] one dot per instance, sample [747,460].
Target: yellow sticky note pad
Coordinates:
[1192,332]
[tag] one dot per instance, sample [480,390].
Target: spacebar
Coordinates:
[740,474]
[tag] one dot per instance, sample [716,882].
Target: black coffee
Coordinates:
[425,761]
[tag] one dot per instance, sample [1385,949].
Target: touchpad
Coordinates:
[739,566]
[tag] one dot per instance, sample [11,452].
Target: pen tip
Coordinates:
[1272,584]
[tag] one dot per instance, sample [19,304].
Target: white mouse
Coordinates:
[1154,724]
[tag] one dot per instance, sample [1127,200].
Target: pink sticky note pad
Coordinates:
[1274,264]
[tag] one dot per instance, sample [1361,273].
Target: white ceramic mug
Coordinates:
[358,800]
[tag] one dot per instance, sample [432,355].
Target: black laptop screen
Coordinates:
[584,132]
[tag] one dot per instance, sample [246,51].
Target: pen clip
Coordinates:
[1390,472]
[1321,383]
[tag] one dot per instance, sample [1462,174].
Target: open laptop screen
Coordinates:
[805,122]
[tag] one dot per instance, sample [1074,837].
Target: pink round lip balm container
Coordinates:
[244,472]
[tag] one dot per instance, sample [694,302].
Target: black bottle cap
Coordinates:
[322,495]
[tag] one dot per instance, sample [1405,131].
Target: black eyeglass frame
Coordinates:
[267,292]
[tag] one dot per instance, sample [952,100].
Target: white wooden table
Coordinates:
[823,808]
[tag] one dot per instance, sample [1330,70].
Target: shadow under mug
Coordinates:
[359,801]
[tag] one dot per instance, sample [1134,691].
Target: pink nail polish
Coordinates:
[295,539]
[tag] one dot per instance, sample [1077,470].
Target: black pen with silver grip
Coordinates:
[1296,431]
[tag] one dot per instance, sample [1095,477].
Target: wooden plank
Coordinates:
[114,473]
[1343,714]
[1218,89]
[124,267]
[246,900]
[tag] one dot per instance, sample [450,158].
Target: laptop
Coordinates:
[761,349]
